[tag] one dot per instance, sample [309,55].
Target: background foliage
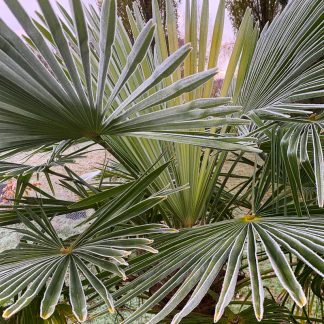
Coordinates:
[263,11]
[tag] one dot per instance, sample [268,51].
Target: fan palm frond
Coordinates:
[284,77]
[189,263]
[42,254]
[75,97]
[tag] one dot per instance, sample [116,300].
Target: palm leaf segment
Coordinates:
[194,258]
[105,243]
[80,92]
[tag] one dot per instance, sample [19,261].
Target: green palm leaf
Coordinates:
[57,103]
[42,254]
[202,252]
[283,79]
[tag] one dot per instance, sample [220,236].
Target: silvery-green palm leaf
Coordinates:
[76,90]
[190,262]
[244,245]
[105,243]
[284,87]
[295,148]
[45,256]
[144,100]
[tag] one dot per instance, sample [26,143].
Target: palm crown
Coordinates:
[176,147]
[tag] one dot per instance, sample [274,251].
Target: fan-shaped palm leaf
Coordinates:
[42,254]
[284,76]
[193,259]
[57,103]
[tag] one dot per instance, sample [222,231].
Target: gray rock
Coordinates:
[77,215]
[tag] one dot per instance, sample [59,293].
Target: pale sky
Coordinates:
[31,6]
[213,5]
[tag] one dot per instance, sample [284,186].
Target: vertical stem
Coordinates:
[253,184]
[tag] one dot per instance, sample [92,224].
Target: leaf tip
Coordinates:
[45,316]
[217,316]
[81,318]
[6,314]
[302,301]
[259,317]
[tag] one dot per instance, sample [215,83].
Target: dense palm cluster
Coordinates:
[204,197]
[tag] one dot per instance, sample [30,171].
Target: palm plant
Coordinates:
[176,151]
[41,253]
